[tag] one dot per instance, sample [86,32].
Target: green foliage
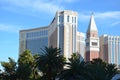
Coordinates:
[9,69]
[35,75]
[74,57]
[111,70]
[93,70]
[25,65]
[9,66]
[101,70]
[51,62]
[25,58]
[75,69]
[51,65]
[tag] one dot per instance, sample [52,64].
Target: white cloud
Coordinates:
[108,15]
[104,19]
[108,19]
[63,1]
[9,28]
[101,15]
[69,1]
[48,7]
[31,6]
[115,23]
[83,16]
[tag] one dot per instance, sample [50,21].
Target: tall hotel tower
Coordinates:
[110,49]
[61,33]
[92,41]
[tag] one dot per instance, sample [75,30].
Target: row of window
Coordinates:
[61,19]
[112,42]
[81,38]
[36,34]
[35,45]
[93,44]
[110,38]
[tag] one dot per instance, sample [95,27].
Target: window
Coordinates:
[72,19]
[94,43]
[118,52]
[112,38]
[68,18]
[61,18]
[87,44]
[75,19]
[88,35]
[113,53]
[119,39]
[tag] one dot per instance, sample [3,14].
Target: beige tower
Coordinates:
[62,32]
[67,32]
[92,41]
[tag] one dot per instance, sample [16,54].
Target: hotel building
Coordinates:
[110,49]
[61,33]
[92,41]
[81,44]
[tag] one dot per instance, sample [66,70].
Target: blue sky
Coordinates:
[24,14]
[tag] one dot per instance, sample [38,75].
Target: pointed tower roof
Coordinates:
[92,26]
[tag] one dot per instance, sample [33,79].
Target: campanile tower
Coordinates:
[92,41]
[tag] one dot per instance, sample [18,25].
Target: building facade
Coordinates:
[81,44]
[61,33]
[92,41]
[33,39]
[110,49]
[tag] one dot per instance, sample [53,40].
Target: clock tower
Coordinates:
[92,41]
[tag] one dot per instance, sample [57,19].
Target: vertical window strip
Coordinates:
[68,17]
[72,19]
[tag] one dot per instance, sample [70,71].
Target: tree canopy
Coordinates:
[51,65]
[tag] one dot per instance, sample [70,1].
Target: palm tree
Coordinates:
[35,75]
[9,72]
[111,70]
[50,62]
[76,69]
[97,68]
[102,70]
